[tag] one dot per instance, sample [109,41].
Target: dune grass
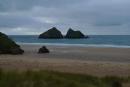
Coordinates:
[56,79]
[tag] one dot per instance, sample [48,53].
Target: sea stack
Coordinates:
[8,46]
[52,33]
[74,34]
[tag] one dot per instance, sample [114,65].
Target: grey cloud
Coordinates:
[90,16]
[7,5]
[107,24]
[17,21]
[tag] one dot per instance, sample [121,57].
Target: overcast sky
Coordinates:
[89,16]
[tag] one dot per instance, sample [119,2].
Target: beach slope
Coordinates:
[81,60]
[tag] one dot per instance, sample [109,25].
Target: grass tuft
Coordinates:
[56,79]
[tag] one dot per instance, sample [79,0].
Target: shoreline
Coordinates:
[77,45]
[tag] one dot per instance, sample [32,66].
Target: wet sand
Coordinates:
[82,60]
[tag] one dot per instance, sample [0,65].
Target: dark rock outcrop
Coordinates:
[17,51]
[8,46]
[43,50]
[52,33]
[74,34]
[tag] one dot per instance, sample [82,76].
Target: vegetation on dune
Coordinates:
[55,79]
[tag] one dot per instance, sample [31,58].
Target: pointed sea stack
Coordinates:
[52,33]
[74,34]
[8,46]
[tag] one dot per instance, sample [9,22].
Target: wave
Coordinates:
[80,45]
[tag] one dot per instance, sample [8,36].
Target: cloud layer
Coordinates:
[89,16]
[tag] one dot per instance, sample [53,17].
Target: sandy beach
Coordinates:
[82,60]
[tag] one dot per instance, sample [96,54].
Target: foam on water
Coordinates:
[79,45]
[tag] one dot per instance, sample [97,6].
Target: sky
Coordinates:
[92,17]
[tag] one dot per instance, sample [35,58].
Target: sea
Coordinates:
[117,41]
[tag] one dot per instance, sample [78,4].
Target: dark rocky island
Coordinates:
[8,46]
[74,34]
[52,33]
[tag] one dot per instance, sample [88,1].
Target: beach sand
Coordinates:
[81,60]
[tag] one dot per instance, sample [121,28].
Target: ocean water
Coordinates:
[121,41]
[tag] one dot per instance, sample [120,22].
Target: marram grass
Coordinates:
[56,79]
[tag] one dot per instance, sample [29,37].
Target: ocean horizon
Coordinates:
[117,41]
